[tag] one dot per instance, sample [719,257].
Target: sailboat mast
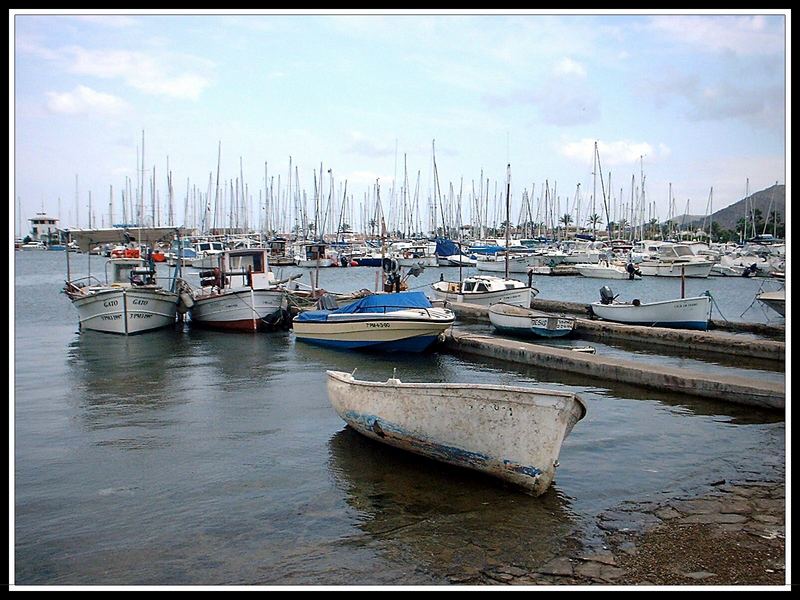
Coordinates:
[508,212]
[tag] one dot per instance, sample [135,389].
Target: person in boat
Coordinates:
[530,276]
[632,271]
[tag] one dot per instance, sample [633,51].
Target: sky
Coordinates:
[693,102]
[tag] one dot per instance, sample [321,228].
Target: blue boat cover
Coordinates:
[446,247]
[374,303]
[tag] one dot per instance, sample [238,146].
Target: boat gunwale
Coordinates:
[348,378]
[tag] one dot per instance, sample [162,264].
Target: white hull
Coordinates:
[322,263]
[456,260]
[669,269]
[688,313]
[775,300]
[509,432]
[600,271]
[517,264]
[242,309]
[412,329]
[450,291]
[525,321]
[126,311]
[425,261]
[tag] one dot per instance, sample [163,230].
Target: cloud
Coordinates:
[139,70]
[365,146]
[84,100]
[743,35]
[759,103]
[567,67]
[612,154]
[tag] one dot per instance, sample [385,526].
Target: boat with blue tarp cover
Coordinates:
[403,321]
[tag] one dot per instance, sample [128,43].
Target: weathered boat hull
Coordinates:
[126,311]
[239,310]
[404,331]
[512,433]
[517,320]
[684,313]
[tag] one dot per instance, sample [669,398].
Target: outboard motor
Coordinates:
[606,295]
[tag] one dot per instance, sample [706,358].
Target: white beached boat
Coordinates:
[606,270]
[485,290]
[776,300]
[131,301]
[513,433]
[516,320]
[404,321]
[240,295]
[686,313]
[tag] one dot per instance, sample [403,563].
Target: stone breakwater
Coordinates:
[734,535]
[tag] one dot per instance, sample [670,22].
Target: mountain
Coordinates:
[769,199]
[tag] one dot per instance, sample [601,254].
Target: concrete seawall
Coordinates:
[739,390]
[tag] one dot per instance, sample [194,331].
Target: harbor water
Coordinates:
[191,457]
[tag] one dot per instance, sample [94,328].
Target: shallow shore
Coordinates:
[732,536]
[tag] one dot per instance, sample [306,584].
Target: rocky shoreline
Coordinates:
[734,535]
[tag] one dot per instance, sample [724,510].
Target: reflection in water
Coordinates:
[451,522]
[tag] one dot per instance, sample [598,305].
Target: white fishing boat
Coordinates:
[130,301]
[240,295]
[404,321]
[606,270]
[208,253]
[314,254]
[516,320]
[513,433]
[485,290]
[685,313]
[776,300]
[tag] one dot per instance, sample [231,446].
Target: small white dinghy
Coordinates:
[510,432]
[517,320]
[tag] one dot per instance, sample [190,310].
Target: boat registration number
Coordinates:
[379,325]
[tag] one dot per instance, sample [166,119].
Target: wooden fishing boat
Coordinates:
[517,320]
[513,433]
[129,301]
[240,295]
[405,321]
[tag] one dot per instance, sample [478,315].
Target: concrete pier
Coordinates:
[740,390]
[728,344]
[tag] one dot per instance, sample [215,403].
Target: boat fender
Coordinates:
[636,302]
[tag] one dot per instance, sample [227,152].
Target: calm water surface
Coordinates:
[186,457]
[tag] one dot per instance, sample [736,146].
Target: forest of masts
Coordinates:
[471,210]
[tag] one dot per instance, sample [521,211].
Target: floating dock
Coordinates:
[723,387]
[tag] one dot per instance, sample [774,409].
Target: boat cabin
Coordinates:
[129,271]
[248,267]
